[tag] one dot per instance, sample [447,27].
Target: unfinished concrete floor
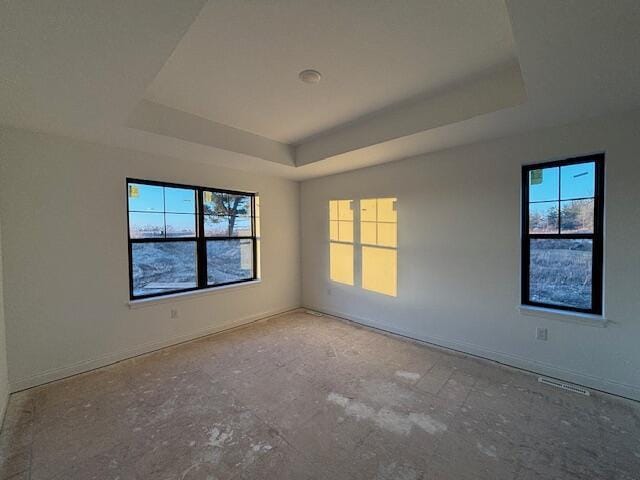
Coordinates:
[305,397]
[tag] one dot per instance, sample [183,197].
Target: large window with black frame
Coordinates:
[562,234]
[184,238]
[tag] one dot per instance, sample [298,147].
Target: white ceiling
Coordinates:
[239,62]
[407,77]
[70,64]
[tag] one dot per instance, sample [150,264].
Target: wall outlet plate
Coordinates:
[174,313]
[541,333]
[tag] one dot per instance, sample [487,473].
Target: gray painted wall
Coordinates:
[64,225]
[459,253]
[4,380]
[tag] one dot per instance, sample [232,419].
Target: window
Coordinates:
[184,238]
[562,234]
[341,241]
[378,235]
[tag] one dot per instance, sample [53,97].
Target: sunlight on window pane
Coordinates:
[387,235]
[378,227]
[341,230]
[333,230]
[345,211]
[341,269]
[387,210]
[379,270]
[368,233]
[345,231]
[333,210]
[368,210]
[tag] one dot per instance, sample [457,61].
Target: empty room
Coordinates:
[319,240]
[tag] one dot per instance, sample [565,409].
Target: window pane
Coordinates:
[179,200]
[387,210]
[229,261]
[368,210]
[560,272]
[215,226]
[387,233]
[543,217]
[180,225]
[578,181]
[543,184]
[368,233]
[239,205]
[145,198]
[379,270]
[345,231]
[163,267]
[146,225]
[224,226]
[217,203]
[240,226]
[214,203]
[341,263]
[577,216]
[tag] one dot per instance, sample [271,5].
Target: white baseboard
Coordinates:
[589,381]
[102,361]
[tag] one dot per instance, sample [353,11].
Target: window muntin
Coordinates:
[184,238]
[562,234]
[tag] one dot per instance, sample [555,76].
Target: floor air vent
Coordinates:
[317,314]
[564,386]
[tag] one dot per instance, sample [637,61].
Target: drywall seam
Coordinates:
[590,381]
[103,361]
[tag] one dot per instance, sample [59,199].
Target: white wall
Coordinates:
[4,380]
[63,211]
[459,253]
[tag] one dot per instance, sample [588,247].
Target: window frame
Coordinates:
[200,239]
[597,236]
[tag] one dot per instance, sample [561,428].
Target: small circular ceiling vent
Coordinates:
[310,76]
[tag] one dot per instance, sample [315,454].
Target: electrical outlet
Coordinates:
[329,291]
[541,333]
[174,313]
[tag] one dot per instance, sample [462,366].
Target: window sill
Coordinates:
[176,297]
[564,316]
